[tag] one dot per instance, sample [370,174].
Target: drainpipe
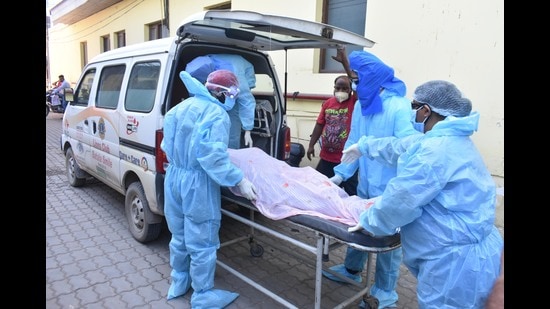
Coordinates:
[165,19]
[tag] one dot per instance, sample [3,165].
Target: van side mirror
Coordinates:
[68,94]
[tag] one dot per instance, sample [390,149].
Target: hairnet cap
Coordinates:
[224,78]
[444,98]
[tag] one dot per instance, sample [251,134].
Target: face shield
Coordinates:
[219,90]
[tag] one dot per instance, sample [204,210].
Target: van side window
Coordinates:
[142,88]
[110,83]
[82,93]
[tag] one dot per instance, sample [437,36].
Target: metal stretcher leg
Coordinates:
[370,301]
[326,249]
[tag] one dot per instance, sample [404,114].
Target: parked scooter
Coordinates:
[53,103]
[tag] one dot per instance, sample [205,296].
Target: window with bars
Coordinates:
[105,43]
[120,39]
[345,14]
[155,30]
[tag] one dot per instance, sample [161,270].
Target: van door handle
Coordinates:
[86,122]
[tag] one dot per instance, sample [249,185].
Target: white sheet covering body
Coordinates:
[285,191]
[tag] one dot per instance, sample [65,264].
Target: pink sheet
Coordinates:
[284,191]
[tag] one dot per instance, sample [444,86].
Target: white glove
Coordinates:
[358,227]
[248,190]
[247,139]
[336,179]
[351,154]
[355,228]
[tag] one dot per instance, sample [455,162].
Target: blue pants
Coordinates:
[63,102]
[235,129]
[386,275]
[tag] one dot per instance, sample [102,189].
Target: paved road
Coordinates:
[92,261]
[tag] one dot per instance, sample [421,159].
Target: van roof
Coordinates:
[149,47]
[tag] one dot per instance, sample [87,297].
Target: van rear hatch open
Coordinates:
[265,32]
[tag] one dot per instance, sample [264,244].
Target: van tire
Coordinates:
[73,170]
[137,212]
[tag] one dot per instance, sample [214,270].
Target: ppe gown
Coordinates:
[242,115]
[195,143]
[444,199]
[373,177]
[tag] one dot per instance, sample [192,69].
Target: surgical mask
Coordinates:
[229,103]
[341,96]
[418,126]
[354,85]
[227,96]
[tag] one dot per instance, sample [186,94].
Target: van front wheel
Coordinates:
[73,170]
[137,212]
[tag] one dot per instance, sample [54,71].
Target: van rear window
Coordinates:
[142,88]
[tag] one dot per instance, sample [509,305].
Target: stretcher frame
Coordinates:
[329,234]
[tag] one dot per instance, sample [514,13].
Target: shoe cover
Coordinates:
[386,299]
[180,284]
[212,299]
[341,269]
[363,305]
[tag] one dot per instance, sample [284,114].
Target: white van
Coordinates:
[112,129]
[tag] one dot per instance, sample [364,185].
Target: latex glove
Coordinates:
[247,139]
[355,228]
[248,190]
[351,154]
[336,179]
[358,227]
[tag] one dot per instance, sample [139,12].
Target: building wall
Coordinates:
[459,41]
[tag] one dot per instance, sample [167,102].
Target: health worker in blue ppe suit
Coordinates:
[443,199]
[381,111]
[242,115]
[196,132]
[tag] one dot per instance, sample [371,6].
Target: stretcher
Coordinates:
[329,235]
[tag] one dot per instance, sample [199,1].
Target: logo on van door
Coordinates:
[132,125]
[101,128]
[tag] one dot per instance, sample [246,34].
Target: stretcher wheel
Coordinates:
[256,250]
[371,302]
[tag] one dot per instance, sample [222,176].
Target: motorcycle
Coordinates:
[54,102]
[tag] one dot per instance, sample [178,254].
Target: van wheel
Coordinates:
[73,170]
[47,110]
[137,212]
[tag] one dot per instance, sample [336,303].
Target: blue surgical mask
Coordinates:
[226,99]
[354,85]
[229,103]
[418,126]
